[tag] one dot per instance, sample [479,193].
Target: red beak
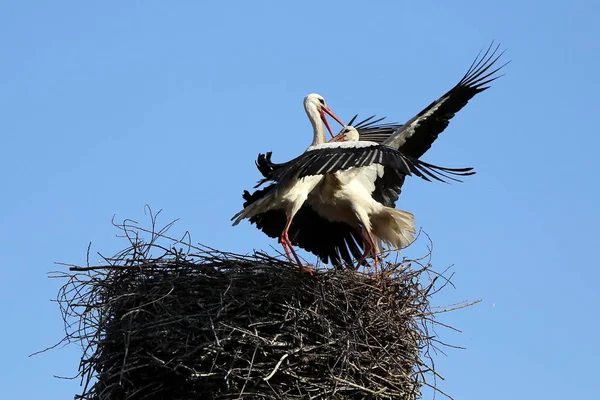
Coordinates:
[338,138]
[324,118]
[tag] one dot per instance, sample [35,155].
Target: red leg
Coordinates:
[285,239]
[287,245]
[284,244]
[367,246]
[374,248]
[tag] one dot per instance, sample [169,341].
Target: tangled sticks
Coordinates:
[196,323]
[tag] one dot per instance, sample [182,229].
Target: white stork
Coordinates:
[343,175]
[291,196]
[337,242]
[346,196]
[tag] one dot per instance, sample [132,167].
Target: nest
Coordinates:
[165,319]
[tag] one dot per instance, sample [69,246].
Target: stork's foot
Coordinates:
[377,264]
[364,263]
[306,270]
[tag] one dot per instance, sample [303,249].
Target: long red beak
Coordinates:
[328,111]
[339,138]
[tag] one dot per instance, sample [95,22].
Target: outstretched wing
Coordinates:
[416,136]
[369,130]
[329,158]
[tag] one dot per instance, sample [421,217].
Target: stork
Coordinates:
[290,196]
[346,196]
[344,175]
[335,242]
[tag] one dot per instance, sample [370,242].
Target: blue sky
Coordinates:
[108,107]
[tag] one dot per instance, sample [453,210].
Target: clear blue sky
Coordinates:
[107,107]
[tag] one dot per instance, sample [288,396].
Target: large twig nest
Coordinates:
[196,323]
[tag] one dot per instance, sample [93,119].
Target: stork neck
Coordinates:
[315,121]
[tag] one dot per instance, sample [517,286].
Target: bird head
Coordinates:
[315,104]
[347,134]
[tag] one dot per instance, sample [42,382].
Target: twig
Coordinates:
[283,357]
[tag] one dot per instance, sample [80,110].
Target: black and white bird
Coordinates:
[346,196]
[338,242]
[343,174]
[290,195]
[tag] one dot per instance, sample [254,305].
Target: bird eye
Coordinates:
[346,130]
[322,101]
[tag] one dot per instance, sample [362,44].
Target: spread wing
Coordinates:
[329,158]
[369,129]
[416,136]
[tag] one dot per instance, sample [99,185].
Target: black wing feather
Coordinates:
[372,131]
[418,134]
